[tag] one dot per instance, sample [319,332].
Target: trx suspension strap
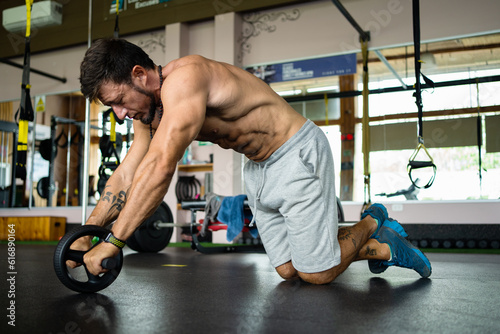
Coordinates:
[26,109]
[112,119]
[364,37]
[366,127]
[112,135]
[116,33]
[415,164]
[326,108]
[108,144]
[479,128]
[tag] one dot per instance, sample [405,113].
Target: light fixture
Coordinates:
[289,92]
[322,89]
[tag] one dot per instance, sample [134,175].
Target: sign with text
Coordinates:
[306,69]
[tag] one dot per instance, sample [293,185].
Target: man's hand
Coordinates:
[94,257]
[82,244]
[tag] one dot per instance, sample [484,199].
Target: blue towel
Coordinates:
[232,214]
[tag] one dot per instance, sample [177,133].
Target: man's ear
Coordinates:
[139,75]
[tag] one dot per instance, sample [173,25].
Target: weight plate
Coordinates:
[45,149]
[42,187]
[148,238]
[80,279]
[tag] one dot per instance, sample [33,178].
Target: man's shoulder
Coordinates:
[194,60]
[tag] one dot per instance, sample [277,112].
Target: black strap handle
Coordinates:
[421,164]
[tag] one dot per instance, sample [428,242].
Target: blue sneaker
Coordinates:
[379,266]
[378,212]
[404,254]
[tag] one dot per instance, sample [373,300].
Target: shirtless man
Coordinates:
[289,176]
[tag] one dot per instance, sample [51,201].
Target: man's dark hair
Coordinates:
[110,60]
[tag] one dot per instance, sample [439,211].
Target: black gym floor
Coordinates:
[182,291]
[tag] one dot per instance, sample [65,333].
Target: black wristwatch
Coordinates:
[112,240]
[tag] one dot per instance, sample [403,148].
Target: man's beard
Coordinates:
[150,116]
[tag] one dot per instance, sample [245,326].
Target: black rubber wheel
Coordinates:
[148,238]
[88,283]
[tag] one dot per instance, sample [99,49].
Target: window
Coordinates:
[451,139]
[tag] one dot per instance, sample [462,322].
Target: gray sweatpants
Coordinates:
[292,197]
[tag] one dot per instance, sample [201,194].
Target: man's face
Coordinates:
[129,100]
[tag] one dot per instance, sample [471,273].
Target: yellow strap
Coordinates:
[366,122]
[29,4]
[112,135]
[23,135]
[419,147]
[326,109]
[477,96]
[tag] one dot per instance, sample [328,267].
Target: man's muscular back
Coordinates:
[242,112]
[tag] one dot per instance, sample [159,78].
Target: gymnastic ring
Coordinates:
[90,283]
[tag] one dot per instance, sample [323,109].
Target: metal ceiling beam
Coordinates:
[364,35]
[389,66]
[471,81]
[45,74]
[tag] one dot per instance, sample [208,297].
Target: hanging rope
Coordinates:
[366,128]
[412,163]
[26,114]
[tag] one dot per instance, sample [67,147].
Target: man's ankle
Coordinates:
[373,223]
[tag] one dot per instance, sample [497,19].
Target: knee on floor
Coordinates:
[324,277]
[287,271]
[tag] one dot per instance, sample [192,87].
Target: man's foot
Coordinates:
[379,213]
[404,254]
[378,266]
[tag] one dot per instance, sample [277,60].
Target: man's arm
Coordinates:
[115,194]
[117,188]
[184,96]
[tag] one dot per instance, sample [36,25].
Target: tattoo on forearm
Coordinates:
[117,201]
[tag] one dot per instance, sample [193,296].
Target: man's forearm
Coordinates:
[146,194]
[109,207]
